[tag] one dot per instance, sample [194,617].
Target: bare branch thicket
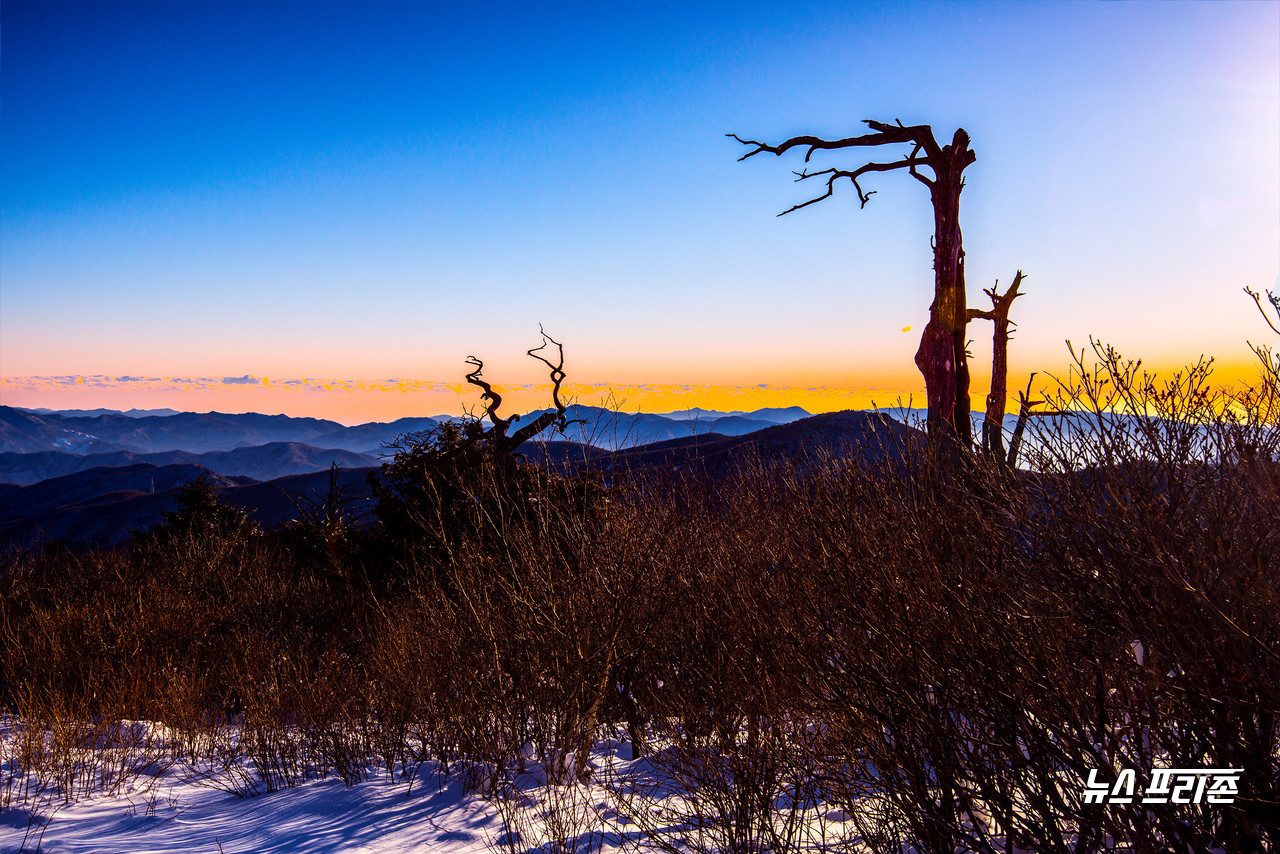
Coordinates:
[323,525]
[1155,541]
[1026,411]
[1264,401]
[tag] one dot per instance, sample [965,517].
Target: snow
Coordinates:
[177,809]
[317,816]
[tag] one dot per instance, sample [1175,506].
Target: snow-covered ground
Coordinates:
[177,809]
[317,816]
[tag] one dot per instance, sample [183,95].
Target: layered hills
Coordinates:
[24,431]
[127,471]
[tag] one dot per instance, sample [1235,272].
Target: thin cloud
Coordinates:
[248,381]
[358,400]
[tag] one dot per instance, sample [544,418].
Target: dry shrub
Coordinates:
[552,818]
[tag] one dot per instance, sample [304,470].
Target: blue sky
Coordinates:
[373,190]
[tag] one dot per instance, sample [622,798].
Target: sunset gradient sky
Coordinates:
[323,208]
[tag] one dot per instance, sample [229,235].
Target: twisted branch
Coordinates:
[546,419]
[492,400]
[920,136]
[1275,303]
[885,134]
[837,174]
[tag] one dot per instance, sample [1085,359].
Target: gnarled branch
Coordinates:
[1275,303]
[837,174]
[492,400]
[921,137]
[885,134]
[546,419]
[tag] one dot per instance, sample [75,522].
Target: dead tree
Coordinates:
[496,435]
[941,357]
[993,423]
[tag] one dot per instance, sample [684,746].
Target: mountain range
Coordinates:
[106,432]
[260,462]
[102,497]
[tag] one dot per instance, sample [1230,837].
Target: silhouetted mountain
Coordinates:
[780,415]
[272,504]
[101,505]
[562,456]
[372,437]
[281,459]
[868,436]
[92,413]
[87,486]
[105,505]
[609,429]
[263,462]
[26,469]
[784,415]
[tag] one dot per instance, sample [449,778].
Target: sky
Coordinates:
[323,208]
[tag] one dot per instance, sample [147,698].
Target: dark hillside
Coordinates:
[867,435]
[102,505]
[261,462]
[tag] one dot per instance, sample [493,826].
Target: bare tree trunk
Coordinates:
[941,356]
[993,424]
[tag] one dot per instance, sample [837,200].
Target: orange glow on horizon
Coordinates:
[355,402]
[358,401]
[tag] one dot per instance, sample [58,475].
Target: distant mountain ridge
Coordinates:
[90,413]
[613,430]
[197,432]
[774,415]
[103,504]
[260,462]
[26,431]
[870,436]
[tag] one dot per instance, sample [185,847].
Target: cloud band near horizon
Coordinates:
[356,401]
[361,400]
